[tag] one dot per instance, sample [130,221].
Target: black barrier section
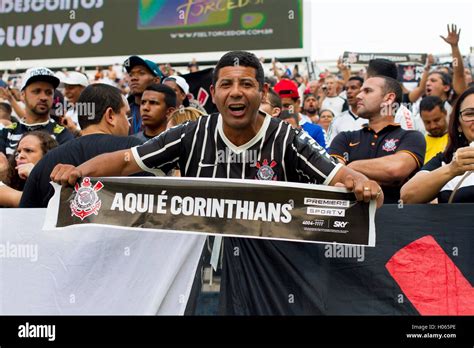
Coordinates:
[434,243]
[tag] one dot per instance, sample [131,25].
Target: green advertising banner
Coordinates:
[56,29]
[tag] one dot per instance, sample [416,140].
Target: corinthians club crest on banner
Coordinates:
[86,201]
[265,170]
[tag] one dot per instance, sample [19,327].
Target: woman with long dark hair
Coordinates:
[29,151]
[449,176]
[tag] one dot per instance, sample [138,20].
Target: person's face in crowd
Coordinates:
[140,77]
[72,92]
[267,107]
[38,97]
[237,96]
[153,109]
[435,87]
[122,125]
[180,95]
[4,115]
[291,105]
[435,122]
[325,119]
[467,110]
[352,90]
[371,98]
[310,105]
[331,87]
[28,150]
[467,75]
[313,87]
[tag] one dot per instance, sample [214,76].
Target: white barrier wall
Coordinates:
[96,270]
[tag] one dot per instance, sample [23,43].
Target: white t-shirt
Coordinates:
[406,120]
[335,104]
[304,119]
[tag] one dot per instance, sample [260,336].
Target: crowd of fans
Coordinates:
[368,122]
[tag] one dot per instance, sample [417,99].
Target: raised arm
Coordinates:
[420,89]
[344,69]
[7,94]
[459,80]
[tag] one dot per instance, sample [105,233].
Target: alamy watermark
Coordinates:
[228,156]
[344,251]
[81,109]
[21,251]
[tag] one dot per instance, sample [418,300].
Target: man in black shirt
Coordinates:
[37,91]
[382,150]
[106,131]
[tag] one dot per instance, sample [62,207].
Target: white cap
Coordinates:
[39,74]
[181,82]
[75,78]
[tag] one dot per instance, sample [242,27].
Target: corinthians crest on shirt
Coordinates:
[265,170]
[390,145]
[86,201]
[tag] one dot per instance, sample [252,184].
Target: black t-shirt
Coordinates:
[366,144]
[38,190]
[10,135]
[465,192]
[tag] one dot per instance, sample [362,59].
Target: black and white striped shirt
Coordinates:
[201,149]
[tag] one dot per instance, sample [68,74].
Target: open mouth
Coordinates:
[237,109]
[428,91]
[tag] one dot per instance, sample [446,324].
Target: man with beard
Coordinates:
[141,74]
[435,119]
[381,150]
[348,120]
[310,107]
[37,91]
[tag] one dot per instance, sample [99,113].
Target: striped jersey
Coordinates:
[201,149]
